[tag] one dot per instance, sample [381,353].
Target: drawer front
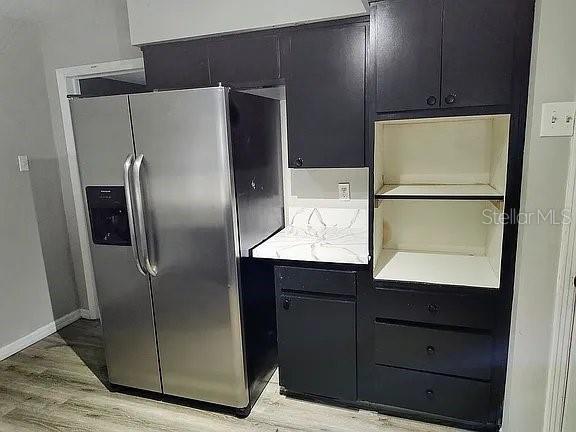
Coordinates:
[464,310]
[316,280]
[441,351]
[456,398]
[317,346]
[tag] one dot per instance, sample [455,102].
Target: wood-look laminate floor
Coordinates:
[60,384]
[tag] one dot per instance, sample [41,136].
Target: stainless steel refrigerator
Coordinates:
[179,186]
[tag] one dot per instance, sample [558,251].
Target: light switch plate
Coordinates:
[558,119]
[344,191]
[23,164]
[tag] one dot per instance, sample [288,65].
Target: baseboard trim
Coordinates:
[39,334]
[86,314]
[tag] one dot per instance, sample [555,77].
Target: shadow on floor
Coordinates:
[84,337]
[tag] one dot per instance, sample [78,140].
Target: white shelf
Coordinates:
[436,268]
[437,191]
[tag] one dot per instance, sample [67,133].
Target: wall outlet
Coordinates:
[344,191]
[23,164]
[558,119]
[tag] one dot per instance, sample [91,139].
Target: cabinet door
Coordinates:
[245,60]
[477,52]
[317,346]
[177,65]
[325,97]
[408,45]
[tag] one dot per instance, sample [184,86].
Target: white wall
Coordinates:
[31,294]
[162,20]
[544,183]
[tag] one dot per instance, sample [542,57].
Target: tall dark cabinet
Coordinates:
[326,68]
[448,90]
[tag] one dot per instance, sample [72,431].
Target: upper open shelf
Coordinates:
[466,192]
[455,158]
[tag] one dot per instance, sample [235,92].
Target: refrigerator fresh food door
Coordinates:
[103,137]
[190,223]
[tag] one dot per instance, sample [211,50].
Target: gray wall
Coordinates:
[544,184]
[76,33]
[36,285]
[41,275]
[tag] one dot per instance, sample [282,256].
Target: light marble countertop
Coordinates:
[320,234]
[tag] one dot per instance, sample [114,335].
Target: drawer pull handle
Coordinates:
[430,394]
[286,304]
[430,350]
[433,309]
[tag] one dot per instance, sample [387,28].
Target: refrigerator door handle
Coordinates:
[142,230]
[129,208]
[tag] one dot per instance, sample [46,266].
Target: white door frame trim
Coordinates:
[68,83]
[564,310]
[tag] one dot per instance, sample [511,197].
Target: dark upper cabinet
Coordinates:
[325,96]
[408,49]
[177,65]
[477,52]
[443,53]
[317,346]
[238,60]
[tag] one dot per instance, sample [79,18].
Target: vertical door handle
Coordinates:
[128,192]
[142,229]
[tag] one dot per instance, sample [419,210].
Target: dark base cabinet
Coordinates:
[318,346]
[316,315]
[437,394]
[428,352]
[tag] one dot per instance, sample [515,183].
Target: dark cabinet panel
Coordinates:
[431,350]
[476,311]
[435,394]
[177,65]
[477,52]
[334,282]
[408,54]
[325,97]
[317,346]
[245,59]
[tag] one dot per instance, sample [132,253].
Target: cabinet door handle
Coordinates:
[431,100]
[450,99]
[286,304]
[299,162]
[430,350]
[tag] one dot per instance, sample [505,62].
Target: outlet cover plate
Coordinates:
[23,164]
[558,119]
[344,191]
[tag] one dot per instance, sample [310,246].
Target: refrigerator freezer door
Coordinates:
[193,242]
[103,139]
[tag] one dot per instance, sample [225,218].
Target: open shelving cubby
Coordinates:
[440,187]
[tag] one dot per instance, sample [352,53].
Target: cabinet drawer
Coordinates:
[317,346]
[457,398]
[464,310]
[442,351]
[336,282]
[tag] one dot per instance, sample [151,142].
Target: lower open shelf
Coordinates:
[436,268]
